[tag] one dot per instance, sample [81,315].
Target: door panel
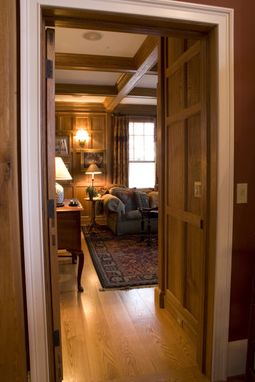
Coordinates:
[49,208]
[184,73]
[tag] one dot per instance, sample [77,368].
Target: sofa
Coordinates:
[121,207]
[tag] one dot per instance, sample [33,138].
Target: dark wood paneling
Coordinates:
[243,230]
[99,129]
[13,363]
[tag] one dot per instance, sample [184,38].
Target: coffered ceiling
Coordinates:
[103,68]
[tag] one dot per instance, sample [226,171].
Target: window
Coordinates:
[142,154]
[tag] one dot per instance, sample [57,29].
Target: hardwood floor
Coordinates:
[119,336]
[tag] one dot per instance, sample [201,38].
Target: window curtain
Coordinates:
[120,150]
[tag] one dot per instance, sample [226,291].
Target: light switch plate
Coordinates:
[197,189]
[241,193]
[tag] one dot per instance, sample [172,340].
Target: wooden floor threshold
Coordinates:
[173,376]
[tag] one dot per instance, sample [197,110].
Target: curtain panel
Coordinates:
[120,150]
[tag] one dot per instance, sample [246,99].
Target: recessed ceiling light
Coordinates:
[92,36]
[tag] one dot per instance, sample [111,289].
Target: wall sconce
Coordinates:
[82,136]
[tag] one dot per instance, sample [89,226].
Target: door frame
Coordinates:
[222,19]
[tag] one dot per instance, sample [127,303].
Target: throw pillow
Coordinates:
[142,199]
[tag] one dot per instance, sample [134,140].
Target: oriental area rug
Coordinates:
[123,262]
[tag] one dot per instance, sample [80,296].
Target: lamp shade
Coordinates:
[61,171]
[93,169]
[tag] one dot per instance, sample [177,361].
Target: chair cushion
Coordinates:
[133,215]
[142,199]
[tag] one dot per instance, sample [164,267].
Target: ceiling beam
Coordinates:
[72,61]
[108,91]
[145,58]
[70,89]
[75,107]
[71,108]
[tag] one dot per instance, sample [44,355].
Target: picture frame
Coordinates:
[92,156]
[62,145]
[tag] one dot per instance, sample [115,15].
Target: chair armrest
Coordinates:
[113,204]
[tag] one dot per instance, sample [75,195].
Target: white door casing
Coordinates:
[222,18]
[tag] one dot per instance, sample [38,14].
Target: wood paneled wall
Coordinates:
[98,126]
[13,365]
[243,224]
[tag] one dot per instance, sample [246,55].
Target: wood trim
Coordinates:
[182,315]
[185,57]
[185,114]
[185,216]
[71,61]
[145,50]
[161,171]
[143,92]
[136,110]
[92,19]
[46,257]
[102,90]
[80,107]
[186,14]
[147,57]
[49,193]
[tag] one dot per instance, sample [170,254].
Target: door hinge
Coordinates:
[28,376]
[49,69]
[56,338]
[53,240]
[201,224]
[51,209]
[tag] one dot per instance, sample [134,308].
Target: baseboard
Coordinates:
[237,353]
[159,297]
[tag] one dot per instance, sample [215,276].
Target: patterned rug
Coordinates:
[124,261]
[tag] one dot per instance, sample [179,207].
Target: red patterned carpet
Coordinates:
[124,261]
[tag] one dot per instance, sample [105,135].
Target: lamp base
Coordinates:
[59,195]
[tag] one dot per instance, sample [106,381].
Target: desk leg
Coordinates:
[80,254]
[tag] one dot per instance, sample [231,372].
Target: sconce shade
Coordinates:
[93,169]
[61,173]
[82,136]
[61,170]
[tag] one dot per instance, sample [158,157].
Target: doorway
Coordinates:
[184,219]
[228,225]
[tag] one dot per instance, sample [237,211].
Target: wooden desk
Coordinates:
[69,234]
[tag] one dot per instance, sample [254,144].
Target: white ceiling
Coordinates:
[111,44]
[69,40]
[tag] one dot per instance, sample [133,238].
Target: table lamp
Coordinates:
[93,169]
[61,173]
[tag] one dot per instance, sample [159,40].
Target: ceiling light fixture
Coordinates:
[92,36]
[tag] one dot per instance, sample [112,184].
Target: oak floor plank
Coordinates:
[119,335]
